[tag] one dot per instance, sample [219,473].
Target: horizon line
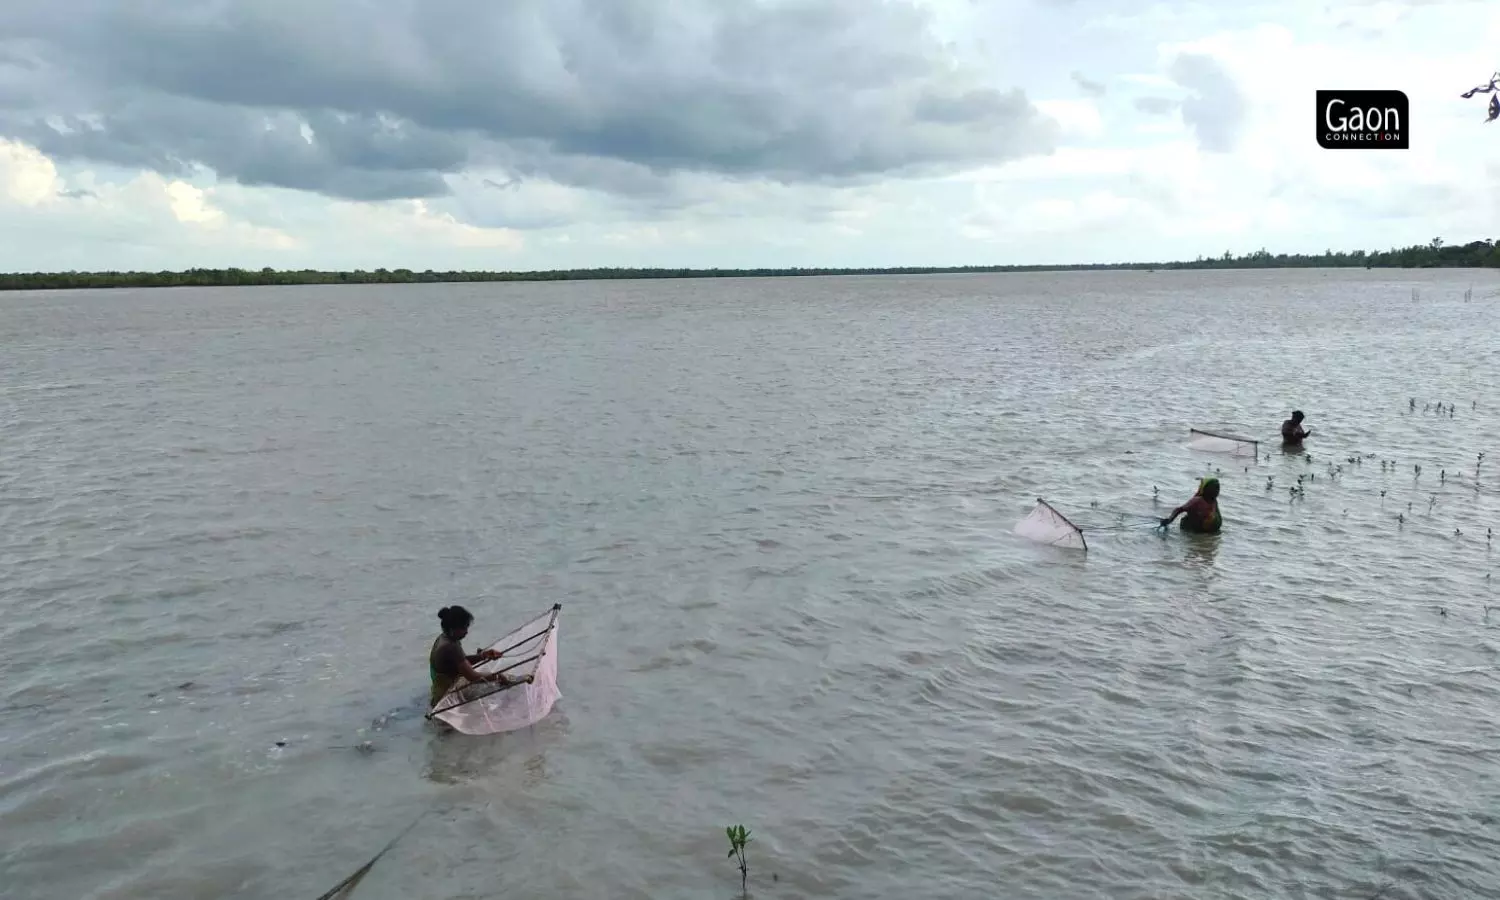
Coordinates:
[1478,254]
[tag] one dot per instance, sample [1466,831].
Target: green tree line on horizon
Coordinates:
[1433,255]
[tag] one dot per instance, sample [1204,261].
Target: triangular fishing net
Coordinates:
[529,661]
[1218,442]
[1048,526]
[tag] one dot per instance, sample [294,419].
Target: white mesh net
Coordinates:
[1048,526]
[529,661]
[1216,442]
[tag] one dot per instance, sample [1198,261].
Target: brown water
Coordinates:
[777,514]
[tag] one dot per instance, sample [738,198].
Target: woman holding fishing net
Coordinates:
[447,662]
[1200,514]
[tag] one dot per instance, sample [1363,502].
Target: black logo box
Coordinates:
[1364,120]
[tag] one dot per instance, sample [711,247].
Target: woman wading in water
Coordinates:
[447,662]
[1200,514]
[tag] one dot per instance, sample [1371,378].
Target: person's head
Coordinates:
[1297,416]
[455,621]
[1209,489]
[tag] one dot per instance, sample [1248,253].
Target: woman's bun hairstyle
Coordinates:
[454,617]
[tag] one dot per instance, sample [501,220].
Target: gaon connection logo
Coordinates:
[1363,120]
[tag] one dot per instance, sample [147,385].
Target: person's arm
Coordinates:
[468,671]
[1177,512]
[481,656]
[464,667]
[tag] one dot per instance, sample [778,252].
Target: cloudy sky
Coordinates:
[534,134]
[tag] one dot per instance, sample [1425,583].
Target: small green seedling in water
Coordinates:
[738,838]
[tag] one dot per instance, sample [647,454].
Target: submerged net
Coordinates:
[1048,526]
[1218,442]
[1104,519]
[529,662]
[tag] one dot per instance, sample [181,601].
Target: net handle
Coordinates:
[521,641]
[503,687]
[1238,439]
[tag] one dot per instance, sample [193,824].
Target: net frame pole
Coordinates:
[1055,512]
[502,687]
[1238,439]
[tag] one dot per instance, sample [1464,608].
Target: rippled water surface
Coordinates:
[778,516]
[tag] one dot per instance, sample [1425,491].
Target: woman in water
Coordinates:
[1292,432]
[447,662]
[1202,512]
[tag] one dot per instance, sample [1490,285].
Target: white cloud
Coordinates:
[1183,128]
[189,204]
[417,219]
[1078,118]
[30,178]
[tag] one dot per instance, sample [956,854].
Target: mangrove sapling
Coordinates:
[738,838]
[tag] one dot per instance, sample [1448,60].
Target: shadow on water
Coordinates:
[458,763]
[456,758]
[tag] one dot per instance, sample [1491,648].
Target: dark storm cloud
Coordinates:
[612,94]
[352,157]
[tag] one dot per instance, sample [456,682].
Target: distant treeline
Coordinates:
[1434,255]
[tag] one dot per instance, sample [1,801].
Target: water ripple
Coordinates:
[778,514]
